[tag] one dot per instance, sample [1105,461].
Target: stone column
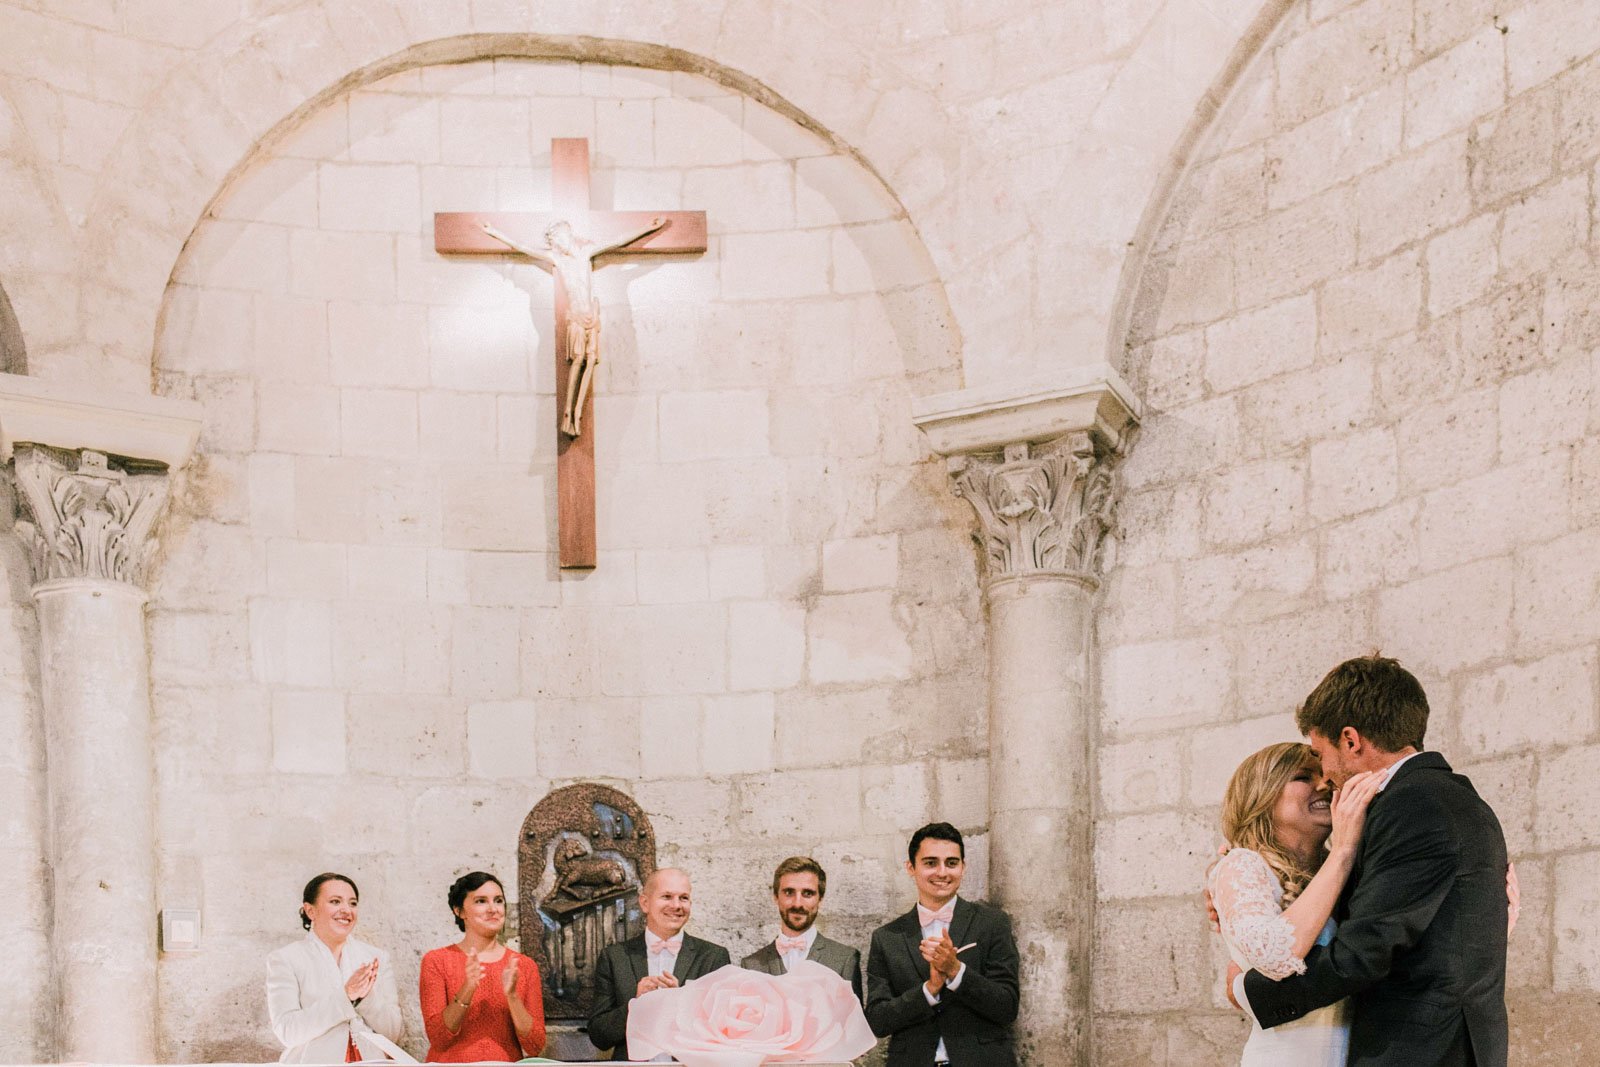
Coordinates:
[1037,470]
[88,522]
[90,529]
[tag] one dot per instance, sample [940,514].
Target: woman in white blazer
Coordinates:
[331,997]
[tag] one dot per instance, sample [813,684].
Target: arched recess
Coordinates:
[892,260]
[803,471]
[261,78]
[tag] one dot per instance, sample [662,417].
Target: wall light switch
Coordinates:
[180,930]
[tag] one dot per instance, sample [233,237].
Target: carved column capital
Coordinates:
[1042,508]
[82,517]
[1034,458]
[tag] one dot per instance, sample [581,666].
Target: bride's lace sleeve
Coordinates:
[1247,895]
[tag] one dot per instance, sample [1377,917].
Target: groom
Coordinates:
[1421,944]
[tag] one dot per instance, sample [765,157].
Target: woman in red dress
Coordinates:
[480,1000]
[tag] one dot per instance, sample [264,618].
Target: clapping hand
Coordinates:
[360,983]
[943,964]
[651,982]
[508,979]
[474,976]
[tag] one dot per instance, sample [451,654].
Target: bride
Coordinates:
[1292,843]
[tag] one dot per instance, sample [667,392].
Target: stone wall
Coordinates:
[1368,341]
[364,656]
[1024,139]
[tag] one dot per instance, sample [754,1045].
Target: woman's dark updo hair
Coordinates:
[314,887]
[466,884]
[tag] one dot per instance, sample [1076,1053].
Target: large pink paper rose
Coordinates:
[738,1018]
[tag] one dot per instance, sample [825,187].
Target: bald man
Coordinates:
[663,957]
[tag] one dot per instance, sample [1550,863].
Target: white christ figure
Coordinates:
[572,258]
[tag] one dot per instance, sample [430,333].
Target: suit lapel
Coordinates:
[683,969]
[1421,761]
[911,930]
[819,950]
[638,959]
[961,922]
[769,959]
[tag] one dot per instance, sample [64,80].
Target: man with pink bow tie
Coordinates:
[942,978]
[663,957]
[798,886]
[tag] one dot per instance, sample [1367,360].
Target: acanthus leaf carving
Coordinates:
[83,518]
[1042,507]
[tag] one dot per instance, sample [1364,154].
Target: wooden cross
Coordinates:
[574,253]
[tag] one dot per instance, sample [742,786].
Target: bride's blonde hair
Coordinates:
[1248,804]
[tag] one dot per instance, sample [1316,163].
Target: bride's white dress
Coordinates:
[1249,901]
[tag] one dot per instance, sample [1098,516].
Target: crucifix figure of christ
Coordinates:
[572,241]
[572,258]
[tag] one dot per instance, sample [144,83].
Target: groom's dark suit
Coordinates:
[1421,945]
[974,1019]
[616,981]
[842,960]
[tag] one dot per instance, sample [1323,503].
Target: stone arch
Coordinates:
[13,353]
[1209,111]
[255,82]
[31,269]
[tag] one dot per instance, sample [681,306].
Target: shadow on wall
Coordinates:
[13,358]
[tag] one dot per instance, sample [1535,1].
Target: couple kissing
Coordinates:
[1364,895]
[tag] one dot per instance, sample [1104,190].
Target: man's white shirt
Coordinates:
[1388,776]
[934,929]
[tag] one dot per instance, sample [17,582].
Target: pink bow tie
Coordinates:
[791,944]
[944,915]
[669,947]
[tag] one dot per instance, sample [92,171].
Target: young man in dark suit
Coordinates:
[798,886]
[663,957]
[1421,944]
[942,978]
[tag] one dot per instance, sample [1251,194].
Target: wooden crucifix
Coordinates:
[571,240]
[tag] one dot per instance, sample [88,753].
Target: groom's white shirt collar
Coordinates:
[1388,775]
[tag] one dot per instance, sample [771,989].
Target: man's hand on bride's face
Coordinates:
[1349,808]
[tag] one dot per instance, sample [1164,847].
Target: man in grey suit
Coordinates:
[663,957]
[798,886]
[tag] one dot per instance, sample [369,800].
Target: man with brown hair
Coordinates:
[1421,943]
[944,978]
[798,886]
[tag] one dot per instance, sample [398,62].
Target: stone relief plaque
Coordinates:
[584,852]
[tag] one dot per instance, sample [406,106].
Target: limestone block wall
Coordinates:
[363,654]
[1367,338]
